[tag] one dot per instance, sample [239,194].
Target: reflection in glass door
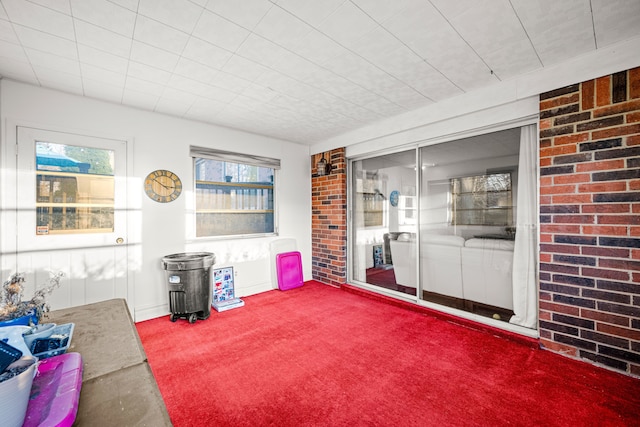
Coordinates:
[384,218]
[473,202]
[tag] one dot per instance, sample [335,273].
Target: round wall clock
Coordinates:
[393,198]
[163,186]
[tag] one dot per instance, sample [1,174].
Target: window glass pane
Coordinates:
[233,198]
[482,200]
[75,189]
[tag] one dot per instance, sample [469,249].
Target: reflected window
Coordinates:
[482,200]
[75,189]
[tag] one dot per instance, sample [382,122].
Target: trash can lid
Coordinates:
[188,261]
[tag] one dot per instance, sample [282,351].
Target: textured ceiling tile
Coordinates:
[259,93]
[557,29]
[105,14]
[194,70]
[44,59]
[180,14]
[318,47]
[246,13]
[127,4]
[145,72]
[311,12]
[12,51]
[615,20]
[172,106]
[381,10]
[219,31]
[140,100]
[227,80]
[17,70]
[40,18]
[513,58]
[101,90]
[206,53]
[153,56]
[56,79]
[89,55]
[347,24]
[425,31]
[101,75]
[282,28]
[260,50]
[102,39]
[244,68]
[58,5]
[7,33]
[46,42]
[143,86]
[160,35]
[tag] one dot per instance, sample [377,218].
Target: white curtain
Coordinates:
[525,301]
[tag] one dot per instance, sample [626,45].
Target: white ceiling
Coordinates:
[300,70]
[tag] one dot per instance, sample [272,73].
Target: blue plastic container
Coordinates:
[26,320]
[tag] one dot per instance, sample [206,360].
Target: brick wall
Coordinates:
[590,220]
[329,220]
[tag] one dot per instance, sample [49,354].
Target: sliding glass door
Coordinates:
[452,224]
[384,219]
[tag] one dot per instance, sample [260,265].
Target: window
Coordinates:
[75,189]
[234,193]
[482,200]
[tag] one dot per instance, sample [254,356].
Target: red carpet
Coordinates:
[320,356]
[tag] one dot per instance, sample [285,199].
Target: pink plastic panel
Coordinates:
[289,268]
[55,392]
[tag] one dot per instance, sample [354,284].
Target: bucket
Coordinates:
[14,395]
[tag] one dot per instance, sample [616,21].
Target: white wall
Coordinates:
[162,142]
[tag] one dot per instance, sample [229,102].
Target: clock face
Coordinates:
[163,186]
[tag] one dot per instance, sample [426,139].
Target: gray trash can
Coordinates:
[189,276]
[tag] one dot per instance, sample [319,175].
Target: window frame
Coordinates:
[241,159]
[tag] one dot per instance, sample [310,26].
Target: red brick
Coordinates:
[617,131]
[560,229]
[635,254]
[571,199]
[572,179]
[545,257]
[601,165]
[546,180]
[634,185]
[633,140]
[546,238]
[622,107]
[634,83]
[559,249]
[619,264]
[635,208]
[556,347]
[633,117]
[603,187]
[604,208]
[604,317]
[571,138]
[545,162]
[558,189]
[544,315]
[559,101]
[603,91]
[588,91]
[555,151]
[633,334]
[545,124]
[545,200]
[604,230]
[619,219]
[604,251]
[634,231]
[573,219]
[560,308]
[546,142]
[606,274]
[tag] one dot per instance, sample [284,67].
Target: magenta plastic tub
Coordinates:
[289,270]
[55,392]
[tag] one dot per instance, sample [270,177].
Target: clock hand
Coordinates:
[165,186]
